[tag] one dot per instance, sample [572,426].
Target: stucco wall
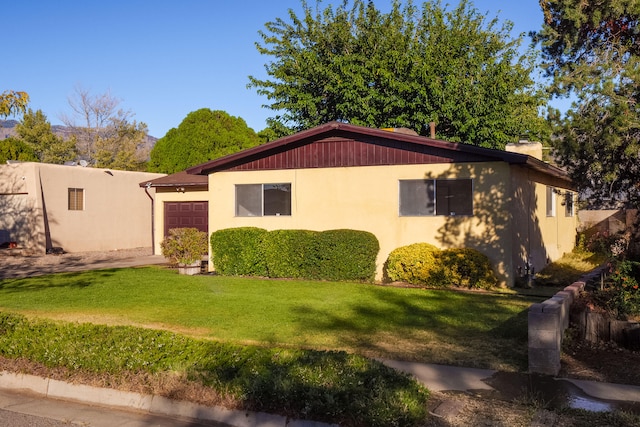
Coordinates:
[538,238]
[116,214]
[21,214]
[366,198]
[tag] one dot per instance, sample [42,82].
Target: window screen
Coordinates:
[568,203]
[76,199]
[249,200]
[551,202]
[416,197]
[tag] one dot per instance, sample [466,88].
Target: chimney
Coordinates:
[533,149]
[432,127]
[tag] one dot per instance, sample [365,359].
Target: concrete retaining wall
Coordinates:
[547,323]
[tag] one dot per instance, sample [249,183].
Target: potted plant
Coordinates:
[185,247]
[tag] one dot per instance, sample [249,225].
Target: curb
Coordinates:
[151,404]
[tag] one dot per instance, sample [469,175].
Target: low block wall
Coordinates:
[547,324]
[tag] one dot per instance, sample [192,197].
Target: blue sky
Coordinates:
[162,59]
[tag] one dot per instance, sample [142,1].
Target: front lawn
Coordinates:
[470,329]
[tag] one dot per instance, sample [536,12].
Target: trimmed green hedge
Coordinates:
[238,251]
[333,387]
[301,254]
[425,264]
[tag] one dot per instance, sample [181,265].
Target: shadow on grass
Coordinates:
[77,280]
[448,327]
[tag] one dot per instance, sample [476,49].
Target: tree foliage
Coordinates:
[404,68]
[592,51]
[202,136]
[106,135]
[15,149]
[35,131]
[12,102]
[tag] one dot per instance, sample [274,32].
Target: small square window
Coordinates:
[76,199]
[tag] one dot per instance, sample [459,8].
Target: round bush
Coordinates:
[465,267]
[415,263]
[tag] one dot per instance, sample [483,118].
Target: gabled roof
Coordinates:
[426,148]
[179,179]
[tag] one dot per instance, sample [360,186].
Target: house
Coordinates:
[403,188]
[45,206]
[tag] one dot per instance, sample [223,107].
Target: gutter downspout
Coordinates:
[153,222]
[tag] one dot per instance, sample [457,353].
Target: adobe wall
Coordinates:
[116,212]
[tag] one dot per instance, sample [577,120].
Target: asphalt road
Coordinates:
[19,409]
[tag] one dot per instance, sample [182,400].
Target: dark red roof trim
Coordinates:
[340,144]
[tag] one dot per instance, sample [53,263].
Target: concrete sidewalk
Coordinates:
[98,406]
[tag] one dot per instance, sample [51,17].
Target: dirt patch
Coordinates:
[599,362]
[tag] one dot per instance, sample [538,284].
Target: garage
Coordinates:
[186,214]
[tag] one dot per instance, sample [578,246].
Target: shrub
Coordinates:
[289,253]
[623,293]
[415,263]
[239,251]
[184,246]
[465,267]
[303,254]
[346,255]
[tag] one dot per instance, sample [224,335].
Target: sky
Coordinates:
[161,59]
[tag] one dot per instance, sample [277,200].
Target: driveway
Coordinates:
[16,266]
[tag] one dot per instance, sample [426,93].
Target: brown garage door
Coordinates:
[186,214]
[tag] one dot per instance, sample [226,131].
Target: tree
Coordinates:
[592,51]
[202,136]
[404,68]
[35,131]
[106,137]
[117,148]
[14,149]
[12,102]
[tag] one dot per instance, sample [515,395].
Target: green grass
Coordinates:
[334,387]
[470,329]
[568,269]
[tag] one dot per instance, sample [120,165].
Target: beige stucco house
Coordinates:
[44,206]
[402,187]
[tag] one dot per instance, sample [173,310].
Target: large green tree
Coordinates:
[35,131]
[404,68]
[592,52]
[203,135]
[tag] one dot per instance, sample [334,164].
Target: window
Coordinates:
[263,199]
[454,197]
[76,199]
[568,203]
[424,197]
[551,201]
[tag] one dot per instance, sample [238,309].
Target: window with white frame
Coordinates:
[75,199]
[263,199]
[568,204]
[427,197]
[551,201]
